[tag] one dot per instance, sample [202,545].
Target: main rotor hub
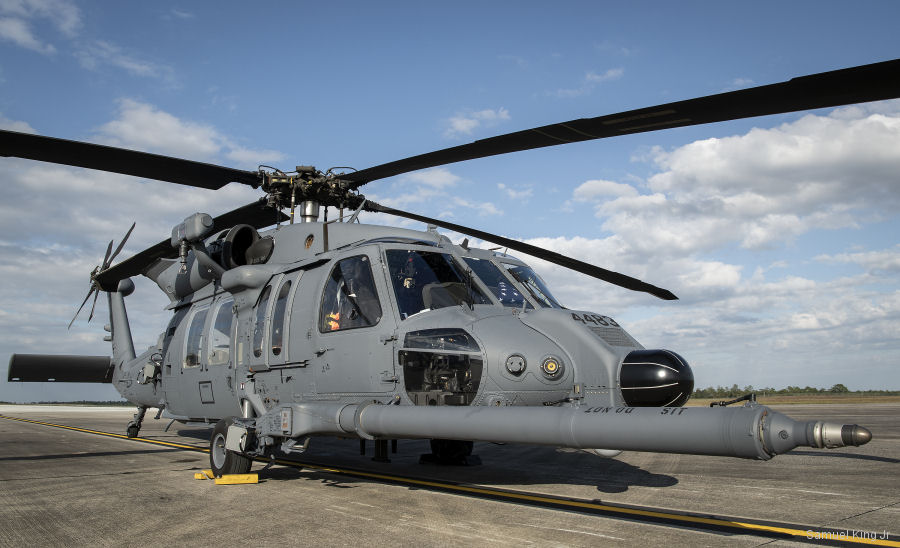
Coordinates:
[306,184]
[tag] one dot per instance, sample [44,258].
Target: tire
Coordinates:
[221,460]
[132,431]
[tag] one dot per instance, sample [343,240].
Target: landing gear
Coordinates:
[135,425]
[223,460]
[452,452]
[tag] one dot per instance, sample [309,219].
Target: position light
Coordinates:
[552,368]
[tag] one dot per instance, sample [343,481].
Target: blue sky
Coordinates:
[778,233]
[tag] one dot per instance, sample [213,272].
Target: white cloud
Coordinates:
[739,83]
[483,208]
[19,32]
[760,189]
[886,261]
[754,324]
[611,74]
[142,126]
[17,16]
[515,194]
[100,52]
[467,121]
[64,15]
[597,188]
[765,329]
[15,125]
[181,14]
[589,82]
[250,157]
[437,178]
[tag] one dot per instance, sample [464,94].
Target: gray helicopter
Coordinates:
[331,327]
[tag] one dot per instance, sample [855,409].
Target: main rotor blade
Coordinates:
[861,84]
[614,278]
[120,160]
[257,214]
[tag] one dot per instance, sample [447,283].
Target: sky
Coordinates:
[779,234]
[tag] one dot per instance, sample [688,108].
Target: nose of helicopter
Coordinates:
[655,378]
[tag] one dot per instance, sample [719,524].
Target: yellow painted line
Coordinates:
[805,533]
[827,535]
[110,434]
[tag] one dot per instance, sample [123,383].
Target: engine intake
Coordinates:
[655,378]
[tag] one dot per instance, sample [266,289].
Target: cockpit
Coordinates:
[424,279]
[429,280]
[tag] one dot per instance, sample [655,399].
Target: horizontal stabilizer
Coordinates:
[59,368]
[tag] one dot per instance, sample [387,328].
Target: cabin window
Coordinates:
[350,299]
[260,321]
[427,280]
[219,351]
[194,341]
[278,318]
[501,286]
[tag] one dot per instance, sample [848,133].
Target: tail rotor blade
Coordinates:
[93,289]
[96,294]
[108,251]
[119,248]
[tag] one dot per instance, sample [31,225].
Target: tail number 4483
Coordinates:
[595,319]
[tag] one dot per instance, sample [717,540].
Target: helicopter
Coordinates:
[287,325]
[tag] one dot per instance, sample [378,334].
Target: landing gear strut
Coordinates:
[135,425]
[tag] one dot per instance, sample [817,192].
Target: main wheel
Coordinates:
[451,450]
[222,460]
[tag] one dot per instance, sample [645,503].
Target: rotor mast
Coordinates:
[307,189]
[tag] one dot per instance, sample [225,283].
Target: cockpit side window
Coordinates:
[428,280]
[350,299]
[533,283]
[501,286]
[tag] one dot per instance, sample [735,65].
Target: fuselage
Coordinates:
[347,313]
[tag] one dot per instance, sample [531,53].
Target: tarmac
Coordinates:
[68,487]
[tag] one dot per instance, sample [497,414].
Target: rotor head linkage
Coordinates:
[309,188]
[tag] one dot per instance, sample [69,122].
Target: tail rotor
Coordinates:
[95,287]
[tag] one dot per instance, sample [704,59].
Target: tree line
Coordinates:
[735,391]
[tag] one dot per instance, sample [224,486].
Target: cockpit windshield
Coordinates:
[533,283]
[497,282]
[428,280]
